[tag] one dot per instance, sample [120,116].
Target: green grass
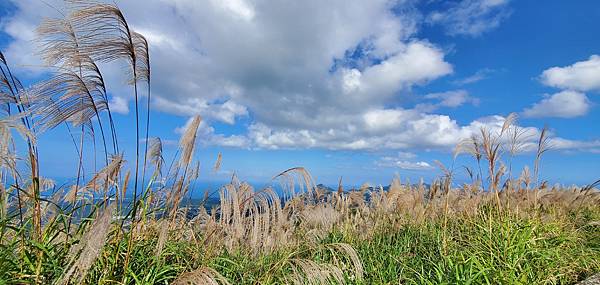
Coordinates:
[499,230]
[489,248]
[511,251]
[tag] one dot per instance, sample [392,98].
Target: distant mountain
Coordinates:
[387,187]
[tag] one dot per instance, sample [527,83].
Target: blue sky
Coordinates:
[360,89]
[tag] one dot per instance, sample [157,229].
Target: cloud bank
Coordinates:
[303,74]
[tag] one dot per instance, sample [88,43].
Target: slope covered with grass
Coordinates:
[119,226]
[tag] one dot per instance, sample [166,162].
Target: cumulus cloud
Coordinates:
[322,74]
[225,112]
[400,129]
[581,76]
[285,63]
[566,144]
[415,62]
[21,28]
[377,129]
[470,17]
[207,136]
[565,104]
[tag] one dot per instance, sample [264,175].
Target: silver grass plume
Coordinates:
[90,248]
[107,175]
[154,154]
[201,276]
[106,36]
[103,32]
[188,141]
[306,271]
[543,145]
[8,158]
[187,144]
[508,121]
[141,74]
[60,45]
[141,50]
[6,90]
[218,162]
[67,97]
[288,180]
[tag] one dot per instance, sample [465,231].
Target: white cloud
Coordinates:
[20,54]
[207,136]
[420,165]
[119,105]
[449,99]
[471,17]
[476,77]
[237,8]
[453,98]
[285,63]
[416,62]
[406,155]
[225,112]
[402,162]
[376,129]
[581,76]
[566,145]
[399,129]
[565,104]
[289,67]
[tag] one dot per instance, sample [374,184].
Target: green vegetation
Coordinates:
[496,230]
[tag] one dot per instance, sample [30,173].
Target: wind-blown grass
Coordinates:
[500,230]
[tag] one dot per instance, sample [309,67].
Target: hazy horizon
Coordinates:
[361,89]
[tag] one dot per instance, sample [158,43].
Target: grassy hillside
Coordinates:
[502,228]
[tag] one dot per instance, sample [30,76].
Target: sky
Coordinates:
[363,90]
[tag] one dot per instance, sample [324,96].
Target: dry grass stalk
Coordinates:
[344,250]
[155,156]
[163,235]
[107,176]
[306,271]
[91,245]
[188,141]
[105,37]
[543,145]
[288,180]
[201,276]
[218,163]
[77,93]
[253,221]
[8,124]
